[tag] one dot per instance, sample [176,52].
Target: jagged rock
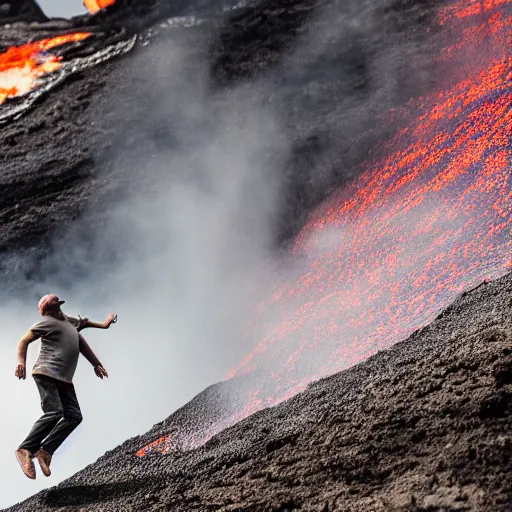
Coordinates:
[20,10]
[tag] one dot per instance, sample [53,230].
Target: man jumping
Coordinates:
[61,344]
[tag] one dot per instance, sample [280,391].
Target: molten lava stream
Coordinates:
[384,256]
[389,252]
[21,67]
[95,6]
[426,224]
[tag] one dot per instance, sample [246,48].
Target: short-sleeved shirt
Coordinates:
[59,352]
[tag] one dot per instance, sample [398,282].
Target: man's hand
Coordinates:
[21,372]
[111,319]
[100,371]
[21,357]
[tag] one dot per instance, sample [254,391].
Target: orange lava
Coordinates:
[385,255]
[22,66]
[468,8]
[95,6]
[158,445]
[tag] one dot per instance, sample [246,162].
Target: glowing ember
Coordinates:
[159,445]
[467,8]
[385,255]
[21,67]
[95,6]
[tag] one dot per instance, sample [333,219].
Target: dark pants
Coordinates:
[61,415]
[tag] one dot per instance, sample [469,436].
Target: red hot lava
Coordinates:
[385,255]
[95,6]
[21,67]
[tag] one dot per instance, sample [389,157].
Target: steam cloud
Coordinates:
[193,227]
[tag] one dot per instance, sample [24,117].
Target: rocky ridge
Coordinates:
[12,11]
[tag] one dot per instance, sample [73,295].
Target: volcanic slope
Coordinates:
[424,426]
[328,106]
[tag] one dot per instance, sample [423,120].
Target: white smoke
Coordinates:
[188,240]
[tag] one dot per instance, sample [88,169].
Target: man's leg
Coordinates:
[71,418]
[52,409]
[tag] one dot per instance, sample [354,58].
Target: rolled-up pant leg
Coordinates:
[71,418]
[52,408]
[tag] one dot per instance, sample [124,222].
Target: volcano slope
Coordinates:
[20,10]
[329,106]
[423,426]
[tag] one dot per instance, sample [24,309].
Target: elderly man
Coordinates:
[61,344]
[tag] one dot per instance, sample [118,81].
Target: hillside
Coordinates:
[349,165]
[423,426]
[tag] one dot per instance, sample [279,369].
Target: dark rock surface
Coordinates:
[424,426]
[12,11]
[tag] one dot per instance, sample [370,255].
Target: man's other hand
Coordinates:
[21,372]
[100,371]
[111,319]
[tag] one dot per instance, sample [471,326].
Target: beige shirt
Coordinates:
[59,352]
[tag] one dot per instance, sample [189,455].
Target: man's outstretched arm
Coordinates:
[21,354]
[87,352]
[85,322]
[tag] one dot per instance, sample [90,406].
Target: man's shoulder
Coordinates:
[43,325]
[44,321]
[78,322]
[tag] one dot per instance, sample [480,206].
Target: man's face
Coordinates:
[54,304]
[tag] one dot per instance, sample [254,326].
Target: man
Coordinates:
[61,344]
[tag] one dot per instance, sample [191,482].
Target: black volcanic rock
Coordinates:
[20,10]
[424,426]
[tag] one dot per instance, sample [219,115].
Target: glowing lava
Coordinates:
[21,67]
[385,255]
[95,6]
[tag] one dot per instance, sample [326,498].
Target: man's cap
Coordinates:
[45,301]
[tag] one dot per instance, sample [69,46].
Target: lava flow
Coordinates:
[387,254]
[95,6]
[21,67]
